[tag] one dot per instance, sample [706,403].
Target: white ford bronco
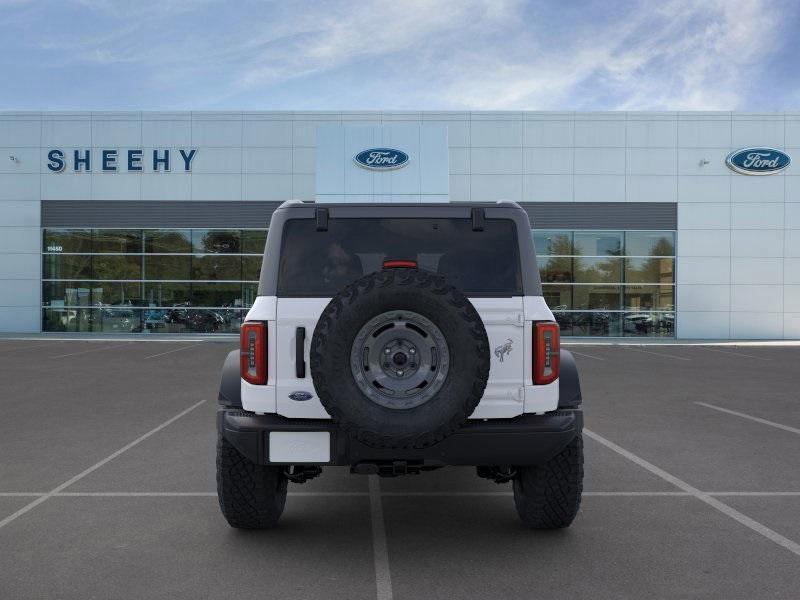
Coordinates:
[395,339]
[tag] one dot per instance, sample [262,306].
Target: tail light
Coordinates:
[399,264]
[253,352]
[546,357]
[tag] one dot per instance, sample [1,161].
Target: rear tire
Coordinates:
[548,496]
[250,496]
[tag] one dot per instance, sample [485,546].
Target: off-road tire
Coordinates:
[548,496]
[251,496]
[427,294]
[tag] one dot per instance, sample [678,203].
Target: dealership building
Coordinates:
[647,225]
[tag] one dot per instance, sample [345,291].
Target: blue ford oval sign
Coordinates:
[758,161]
[381,159]
[300,396]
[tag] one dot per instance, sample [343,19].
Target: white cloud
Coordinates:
[471,54]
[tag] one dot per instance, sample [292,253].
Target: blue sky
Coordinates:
[400,54]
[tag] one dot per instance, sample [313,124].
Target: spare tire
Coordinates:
[400,358]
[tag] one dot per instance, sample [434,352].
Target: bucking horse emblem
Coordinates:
[504,349]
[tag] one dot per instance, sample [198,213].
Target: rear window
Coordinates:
[319,263]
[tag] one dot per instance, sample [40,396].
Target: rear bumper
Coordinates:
[523,440]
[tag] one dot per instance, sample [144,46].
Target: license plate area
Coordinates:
[295,447]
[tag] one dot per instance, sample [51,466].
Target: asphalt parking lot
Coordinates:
[107,489]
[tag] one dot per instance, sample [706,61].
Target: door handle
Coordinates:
[299,352]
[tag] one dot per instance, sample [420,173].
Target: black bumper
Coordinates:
[523,440]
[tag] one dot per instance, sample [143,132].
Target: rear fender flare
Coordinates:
[230,387]
[569,384]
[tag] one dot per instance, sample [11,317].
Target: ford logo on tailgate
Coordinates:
[758,161]
[381,159]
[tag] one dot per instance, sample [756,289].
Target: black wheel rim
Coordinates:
[400,359]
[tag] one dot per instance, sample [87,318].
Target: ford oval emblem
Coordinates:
[300,396]
[758,161]
[381,159]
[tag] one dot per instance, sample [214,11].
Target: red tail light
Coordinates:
[546,357]
[253,352]
[399,264]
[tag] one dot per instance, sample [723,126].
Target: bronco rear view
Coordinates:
[395,339]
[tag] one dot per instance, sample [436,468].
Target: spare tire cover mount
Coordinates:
[400,359]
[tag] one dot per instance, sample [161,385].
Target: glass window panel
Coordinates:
[594,324]
[117,240]
[558,297]
[597,297]
[167,267]
[90,293]
[167,240]
[217,267]
[117,267]
[249,293]
[649,270]
[555,269]
[564,320]
[67,266]
[550,243]
[649,324]
[67,240]
[226,241]
[650,243]
[251,268]
[117,320]
[67,319]
[598,270]
[217,294]
[194,320]
[649,297]
[253,241]
[167,293]
[598,243]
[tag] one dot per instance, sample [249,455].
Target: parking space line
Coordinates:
[91,350]
[194,345]
[734,514]
[750,417]
[657,353]
[740,354]
[586,355]
[31,505]
[754,494]
[380,551]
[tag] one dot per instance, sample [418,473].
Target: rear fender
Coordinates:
[569,385]
[230,387]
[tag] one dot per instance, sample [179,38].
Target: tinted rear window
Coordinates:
[319,263]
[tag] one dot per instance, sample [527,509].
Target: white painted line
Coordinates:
[380,551]
[30,506]
[740,354]
[657,353]
[193,494]
[383,494]
[90,350]
[751,418]
[586,355]
[755,494]
[194,345]
[734,514]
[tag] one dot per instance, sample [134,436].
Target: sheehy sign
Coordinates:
[134,160]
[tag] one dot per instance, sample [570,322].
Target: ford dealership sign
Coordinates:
[758,161]
[381,159]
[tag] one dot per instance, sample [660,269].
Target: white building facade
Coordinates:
[154,222]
